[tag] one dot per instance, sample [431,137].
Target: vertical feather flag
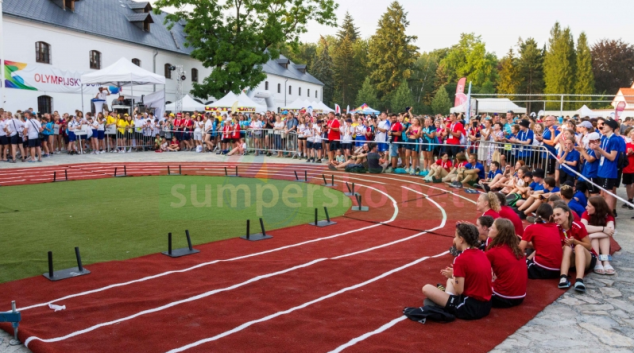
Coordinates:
[337,109]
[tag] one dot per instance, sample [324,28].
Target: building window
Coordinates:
[194,75]
[168,71]
[299,91]
[279,88]
[308,93]
[316,94]
[266,85]
[44,104]
[136,62]
[95,60]
[42,52]
[290,90]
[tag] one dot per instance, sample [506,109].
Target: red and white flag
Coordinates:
[461,98]
[337,109]
[619,108]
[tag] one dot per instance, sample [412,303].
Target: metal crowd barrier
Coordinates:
[264,140]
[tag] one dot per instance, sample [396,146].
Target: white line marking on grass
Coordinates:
[442,224]
[302,306]
[167,306]
[143,279]
[356,340]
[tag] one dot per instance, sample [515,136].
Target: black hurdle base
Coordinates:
[169,172]
[66,273]
[297,180]
[325,223]
[359,207]
[332,178]
[258,236]
[350,191]
[189,250]
[231,176]
[125,173]
[59,181]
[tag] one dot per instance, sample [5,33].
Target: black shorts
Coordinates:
[309,145]
[466,308]
[33,142]
[188,135]
[607,183]
[619,176]
[538,272]
[592,189]
[552,164]
[138,136]
[334,145]
[628,178]
[566,179]
[346,145]
[452,150]
[317,146]
[15,139]
[4,140]
[502,303]
[120,135]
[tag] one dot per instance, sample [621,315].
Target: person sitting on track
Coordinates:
[440,169]
[472,172]
[508,213]
[174,145]
[508,264]
[489,205]
[359,162]
[510,172]
[536,186]
[534,201]
[468,292]
[484,223]
[493,176]
[543,237]
[599,223]
[577,248]
[461,161]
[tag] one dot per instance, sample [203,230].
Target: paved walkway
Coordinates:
[602,320]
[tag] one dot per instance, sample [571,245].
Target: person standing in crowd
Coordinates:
[4,141]
[412,147]
[549,139]
[508,264]
[569,159]
[317,145]
[590,162]
[395,136]
[199,125]
[74,125]
[600,223]
[607,152]
[32,130]
[137,137]
[430,141]
[545,240]
[380,136]
[576,248]
[484,149]
[584,129]
[346,139]
[628,172]
[468,291]
[290,130]
[455,136]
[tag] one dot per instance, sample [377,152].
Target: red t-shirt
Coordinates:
[177,124]
[508,213]
[446,164]
[396,127]
[547,244]
[511,274]
[235,131]
[454,127]
[577,231]
[576,217]
[608,218]
[188,124]
[333,135]
[474,267]
[491,213]
[630,167]
[226,131]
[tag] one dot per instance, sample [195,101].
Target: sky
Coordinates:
[438,24]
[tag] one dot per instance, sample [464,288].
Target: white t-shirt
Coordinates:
[347,133]
[15,127]
[33,129]
[138,124]
[198,126]
[102,95]
[2,126]
[361,130]
[74,125]
[101,126]
[382,136]
[209,124]
[317,133]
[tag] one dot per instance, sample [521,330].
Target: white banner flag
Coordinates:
[38,77]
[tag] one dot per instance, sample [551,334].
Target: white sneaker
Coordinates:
[412,171]
[130,150]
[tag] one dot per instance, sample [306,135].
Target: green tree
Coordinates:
[322,70]
[344,72]
[392,53]
[236,37]
[401,98]
[305,53]
[613,63]
[423,79]
[348,29]
[367,94]
[470,59]
[585,77]
[559,64]
[441,103]
[508,82]
[531,70]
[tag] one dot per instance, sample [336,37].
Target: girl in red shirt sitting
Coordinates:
[508,264]
[468,291]
[543,237]
[440,169]
[577,248]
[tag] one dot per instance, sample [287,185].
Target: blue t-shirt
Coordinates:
[492,174]
[535,186]
[590,170]
[507,129]
[430,130]
[478,166]
[547,136]
[576,207]
[554,189]
[571,157]
[608,168]
[580,198]
[523,151]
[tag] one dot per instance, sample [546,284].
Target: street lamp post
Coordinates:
[2,83]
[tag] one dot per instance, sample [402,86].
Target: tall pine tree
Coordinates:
[585,75]
[344,72]
[531,70]
[348,29]
[508,81]
[367,94]
[559,64]
[392,53]
[402,98]
[441,103]
[322,70]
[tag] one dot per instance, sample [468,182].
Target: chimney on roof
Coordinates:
[301,68]
[65,4]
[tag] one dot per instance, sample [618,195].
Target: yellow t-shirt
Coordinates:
[121,125]
[110,120]
[353,129]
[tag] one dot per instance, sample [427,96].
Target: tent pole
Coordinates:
[82,98]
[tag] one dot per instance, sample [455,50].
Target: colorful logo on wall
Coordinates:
[13,80]
[41,77]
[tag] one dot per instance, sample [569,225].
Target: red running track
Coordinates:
[307,289]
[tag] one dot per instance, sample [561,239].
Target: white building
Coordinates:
[49,44]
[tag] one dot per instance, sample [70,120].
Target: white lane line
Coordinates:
[167,306]
[429,186]
[356,340]
[442,224]
[302,306]
[143,279]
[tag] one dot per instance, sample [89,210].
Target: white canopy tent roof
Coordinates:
[122,73]
[492,105]
[188,105]
[299,104]
[244,103]
[587,112]
[321,106]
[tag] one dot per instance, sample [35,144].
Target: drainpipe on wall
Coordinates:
[154,65]
[285,90]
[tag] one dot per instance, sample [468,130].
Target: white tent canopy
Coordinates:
[122,73]
[243,102]
[492,105]
[587,112]
[188,105]
[317,105]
